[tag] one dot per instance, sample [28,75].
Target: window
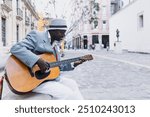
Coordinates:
[140,21]
[85,36]
[104,22]
[95,24]
[104,25]
[17,33]
[3,29]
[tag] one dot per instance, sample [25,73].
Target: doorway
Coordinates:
[105,40]
[85,41]
[85,44]
[95,39]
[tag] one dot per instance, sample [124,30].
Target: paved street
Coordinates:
[108,76]
[114,76]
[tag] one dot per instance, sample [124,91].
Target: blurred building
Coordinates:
[132,22]
[90,24]
[17,18]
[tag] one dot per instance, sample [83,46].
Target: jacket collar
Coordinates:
[47,37]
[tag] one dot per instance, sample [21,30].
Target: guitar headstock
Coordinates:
[87,57]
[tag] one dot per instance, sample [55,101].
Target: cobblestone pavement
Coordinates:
[108,76]
[113,76]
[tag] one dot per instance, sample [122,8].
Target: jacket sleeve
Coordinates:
[23,50]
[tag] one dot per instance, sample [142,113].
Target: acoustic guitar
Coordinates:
[22,80]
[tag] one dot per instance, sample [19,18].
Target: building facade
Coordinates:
[17,18]
[132,22]
[90,23]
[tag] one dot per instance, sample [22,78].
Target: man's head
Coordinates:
[57,29]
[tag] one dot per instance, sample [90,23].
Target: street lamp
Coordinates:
[117,35]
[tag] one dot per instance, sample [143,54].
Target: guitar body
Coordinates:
[21,80]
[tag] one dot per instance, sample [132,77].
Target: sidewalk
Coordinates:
[114,76]
[4,55]
[125,57]
[3,60]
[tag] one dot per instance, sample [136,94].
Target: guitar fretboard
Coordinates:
[58,63]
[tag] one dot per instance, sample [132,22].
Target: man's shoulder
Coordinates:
[35,32]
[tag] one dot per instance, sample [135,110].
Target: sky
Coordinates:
[61,7]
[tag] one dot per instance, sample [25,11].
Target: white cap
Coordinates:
[57,24]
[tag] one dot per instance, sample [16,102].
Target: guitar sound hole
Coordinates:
[40,75]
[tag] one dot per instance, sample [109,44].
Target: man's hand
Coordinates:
[79,62]
[42,65]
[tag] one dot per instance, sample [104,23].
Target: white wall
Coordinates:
[126,20]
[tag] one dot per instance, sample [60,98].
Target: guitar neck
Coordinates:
[58,63]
